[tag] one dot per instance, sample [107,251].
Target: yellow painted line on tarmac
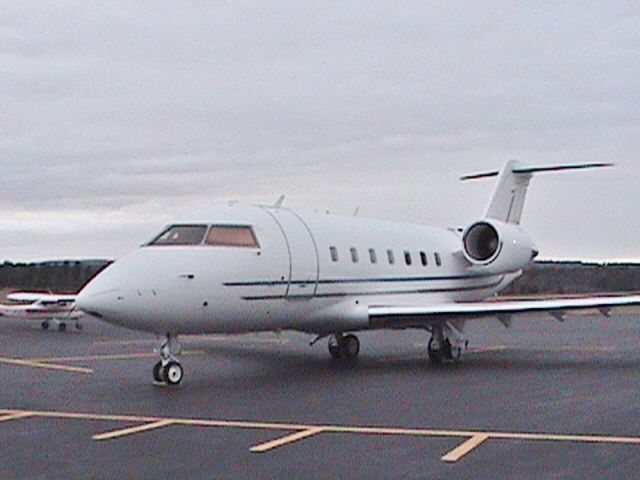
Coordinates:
[41,364]
[14,416]
[117,356]
[247,340]
[125,342]
[279,442]
[466,448]
[497,348]
[131,430]
[490,349]
[474,439]
[199,339]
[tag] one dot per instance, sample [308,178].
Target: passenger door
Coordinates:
[303,253]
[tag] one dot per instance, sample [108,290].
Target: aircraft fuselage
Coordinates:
[314,273]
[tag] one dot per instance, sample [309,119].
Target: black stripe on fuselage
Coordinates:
[370,293]
[333,281]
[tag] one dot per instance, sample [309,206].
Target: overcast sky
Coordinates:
[117,116]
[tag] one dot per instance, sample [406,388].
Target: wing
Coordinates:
[41,298]
[391,315]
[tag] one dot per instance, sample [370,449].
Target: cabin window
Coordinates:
[423,259]
[407,257]
[372,256]
[438,259]
[354,255]
[181,235]
[232,236]
[391,257]
[334,253]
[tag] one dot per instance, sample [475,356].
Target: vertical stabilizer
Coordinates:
[507,201]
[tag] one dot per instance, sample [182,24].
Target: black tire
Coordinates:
[158,376]
[79,326]
[172,373]
[62,327]
[435,356]
[335,349]
[350,346]
[45,325]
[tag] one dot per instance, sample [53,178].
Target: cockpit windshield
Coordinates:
[181,235]
[232,236]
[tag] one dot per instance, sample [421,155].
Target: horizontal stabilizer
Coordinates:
[507,201]
[530,170]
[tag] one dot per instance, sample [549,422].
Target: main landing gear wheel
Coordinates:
[157,372]
[45,324]
[344,347]
[443,352]
[62,327]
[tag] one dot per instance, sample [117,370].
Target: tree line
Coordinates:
[69,276]
[66,276]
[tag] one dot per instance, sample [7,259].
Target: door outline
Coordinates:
[312,239]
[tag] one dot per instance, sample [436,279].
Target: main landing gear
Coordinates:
[168,370]
[345,347]
[441,349]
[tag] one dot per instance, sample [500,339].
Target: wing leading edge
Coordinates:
[557,308]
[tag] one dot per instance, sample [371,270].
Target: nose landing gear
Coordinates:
[168,370]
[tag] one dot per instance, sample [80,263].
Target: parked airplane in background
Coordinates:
[233,269]
[43,307]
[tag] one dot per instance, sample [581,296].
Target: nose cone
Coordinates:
[145,291]
[100,296]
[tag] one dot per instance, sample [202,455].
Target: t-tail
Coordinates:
[507,202]
[496,243]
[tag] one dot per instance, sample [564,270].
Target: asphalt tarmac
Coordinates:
[541,400]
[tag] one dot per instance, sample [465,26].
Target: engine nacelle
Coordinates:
[497,247]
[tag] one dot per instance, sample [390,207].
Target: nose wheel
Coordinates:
[168,370]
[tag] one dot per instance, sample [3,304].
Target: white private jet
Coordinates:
[43,307]
[237,269]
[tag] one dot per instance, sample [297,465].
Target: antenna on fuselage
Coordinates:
[279,202]
[356,211]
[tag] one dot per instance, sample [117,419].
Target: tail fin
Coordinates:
[508,198]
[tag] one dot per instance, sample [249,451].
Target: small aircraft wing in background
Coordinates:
[44,307]
[41,298]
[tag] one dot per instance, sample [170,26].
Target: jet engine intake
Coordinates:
[497,247]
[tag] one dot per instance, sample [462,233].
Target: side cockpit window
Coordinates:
[181,235]
[232,236]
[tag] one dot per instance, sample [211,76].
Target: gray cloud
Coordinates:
[120,113]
